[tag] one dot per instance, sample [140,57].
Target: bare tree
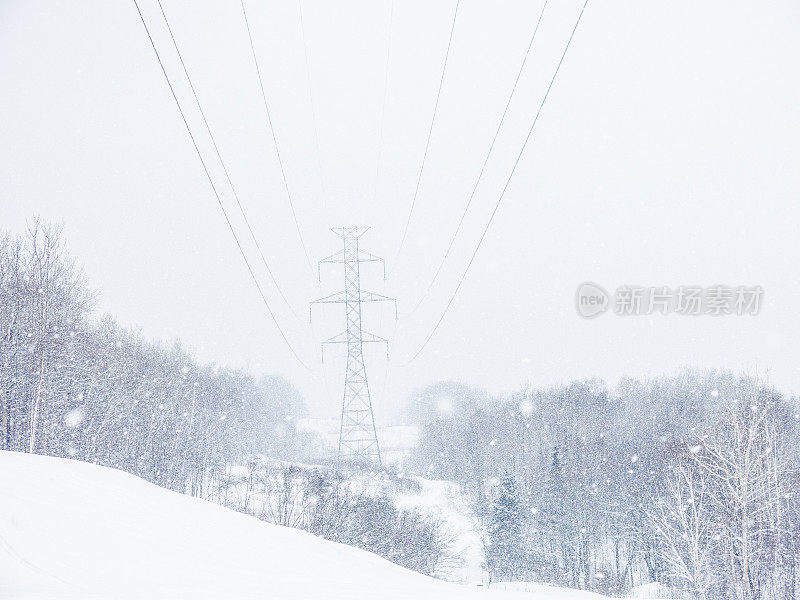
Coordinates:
[684,525]
[741,462]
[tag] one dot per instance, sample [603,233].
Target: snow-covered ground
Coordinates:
[538,590]
[71,530]
[444,500]
[655,591]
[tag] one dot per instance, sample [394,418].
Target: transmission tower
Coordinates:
[358,438]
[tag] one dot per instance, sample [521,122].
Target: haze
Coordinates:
[666,155]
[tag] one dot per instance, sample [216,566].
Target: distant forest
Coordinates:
[692,481]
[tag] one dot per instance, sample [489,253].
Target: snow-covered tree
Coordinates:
[685,526]
[75,386]
[505,550]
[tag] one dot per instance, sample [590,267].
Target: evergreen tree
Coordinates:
[505,548]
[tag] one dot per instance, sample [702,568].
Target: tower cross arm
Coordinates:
[339,257]
[373,297]
[366,338]
[335,298]
[341,298]
[331,298]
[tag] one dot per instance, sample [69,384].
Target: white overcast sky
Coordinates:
[667,155]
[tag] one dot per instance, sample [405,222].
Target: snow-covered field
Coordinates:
[71,530]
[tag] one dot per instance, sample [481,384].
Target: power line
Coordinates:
[385,96]
[505,187]
[222,162]
[214,188]
[430,131]
[313,112]
[485,162]
[275,138]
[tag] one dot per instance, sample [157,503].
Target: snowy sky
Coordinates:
[666,155]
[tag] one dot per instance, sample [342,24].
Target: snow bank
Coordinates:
[538,590]
[71,530]
[654,591]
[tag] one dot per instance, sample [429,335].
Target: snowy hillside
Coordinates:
[441,535]
[74,530]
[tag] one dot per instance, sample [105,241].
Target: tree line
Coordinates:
[690,481]
[76,385]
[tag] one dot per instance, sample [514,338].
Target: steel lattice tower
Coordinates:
[358,439]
